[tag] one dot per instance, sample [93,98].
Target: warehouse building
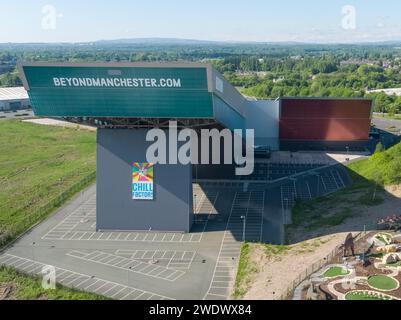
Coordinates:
[13,98]
[127,100]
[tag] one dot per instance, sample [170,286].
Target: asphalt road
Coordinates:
[385,124]
[19,114]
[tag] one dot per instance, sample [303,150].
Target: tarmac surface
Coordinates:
[19,114]
[385,124]
[155,265]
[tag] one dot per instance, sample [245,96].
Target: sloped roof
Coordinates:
[13,93]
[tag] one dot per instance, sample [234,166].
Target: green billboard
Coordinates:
[118,91]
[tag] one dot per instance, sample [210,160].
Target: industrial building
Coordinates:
[126,100]
[13,98]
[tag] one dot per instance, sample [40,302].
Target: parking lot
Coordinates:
[18,114]
[155,265]
[141,265]
[273,171]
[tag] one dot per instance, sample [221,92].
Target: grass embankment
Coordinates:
[30,288]
[40,167]
[369,176]
[384,167]
[245,270]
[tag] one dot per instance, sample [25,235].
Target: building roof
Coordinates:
[188,91]
[13,93]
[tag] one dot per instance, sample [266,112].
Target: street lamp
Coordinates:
[318,183]
[243,227]
[285,215]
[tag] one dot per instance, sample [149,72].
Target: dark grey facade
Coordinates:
[171,209]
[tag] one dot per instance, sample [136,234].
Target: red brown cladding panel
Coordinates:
[324,119]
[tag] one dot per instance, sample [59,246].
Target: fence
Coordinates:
[39,213]
[314,268]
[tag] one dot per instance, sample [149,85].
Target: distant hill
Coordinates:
[194,42]
[158,41]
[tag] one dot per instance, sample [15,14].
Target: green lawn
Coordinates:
[243,272]
[38,164]
[30,288]
[364,296]
[334,272]
[382,282]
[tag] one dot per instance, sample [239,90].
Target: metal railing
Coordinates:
[36,216]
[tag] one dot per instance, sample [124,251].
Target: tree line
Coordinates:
[260,70]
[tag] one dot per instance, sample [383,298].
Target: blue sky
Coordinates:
[252,20]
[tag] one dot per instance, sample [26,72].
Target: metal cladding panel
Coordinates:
[228,93]
[139,92]
[227,116]
[325,119]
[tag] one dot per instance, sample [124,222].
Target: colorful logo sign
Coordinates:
[142,181]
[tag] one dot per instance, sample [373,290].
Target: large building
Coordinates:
[324,124]
[126,100]
[13,98]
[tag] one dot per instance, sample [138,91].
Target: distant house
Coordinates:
[389,91]
[358,62]
[385,63]
[5,68]
[14,98]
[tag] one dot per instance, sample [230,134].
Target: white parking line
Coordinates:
[138,237]
[108,290]
[61,271]
[310,194]
[139,267]
[222,244]
[92,284]
[116,294]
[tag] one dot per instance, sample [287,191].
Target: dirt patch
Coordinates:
[394,190]
[277,271]
[7,291]
[59,123]
[358,215]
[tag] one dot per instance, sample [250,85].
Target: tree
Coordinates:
[10,79]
